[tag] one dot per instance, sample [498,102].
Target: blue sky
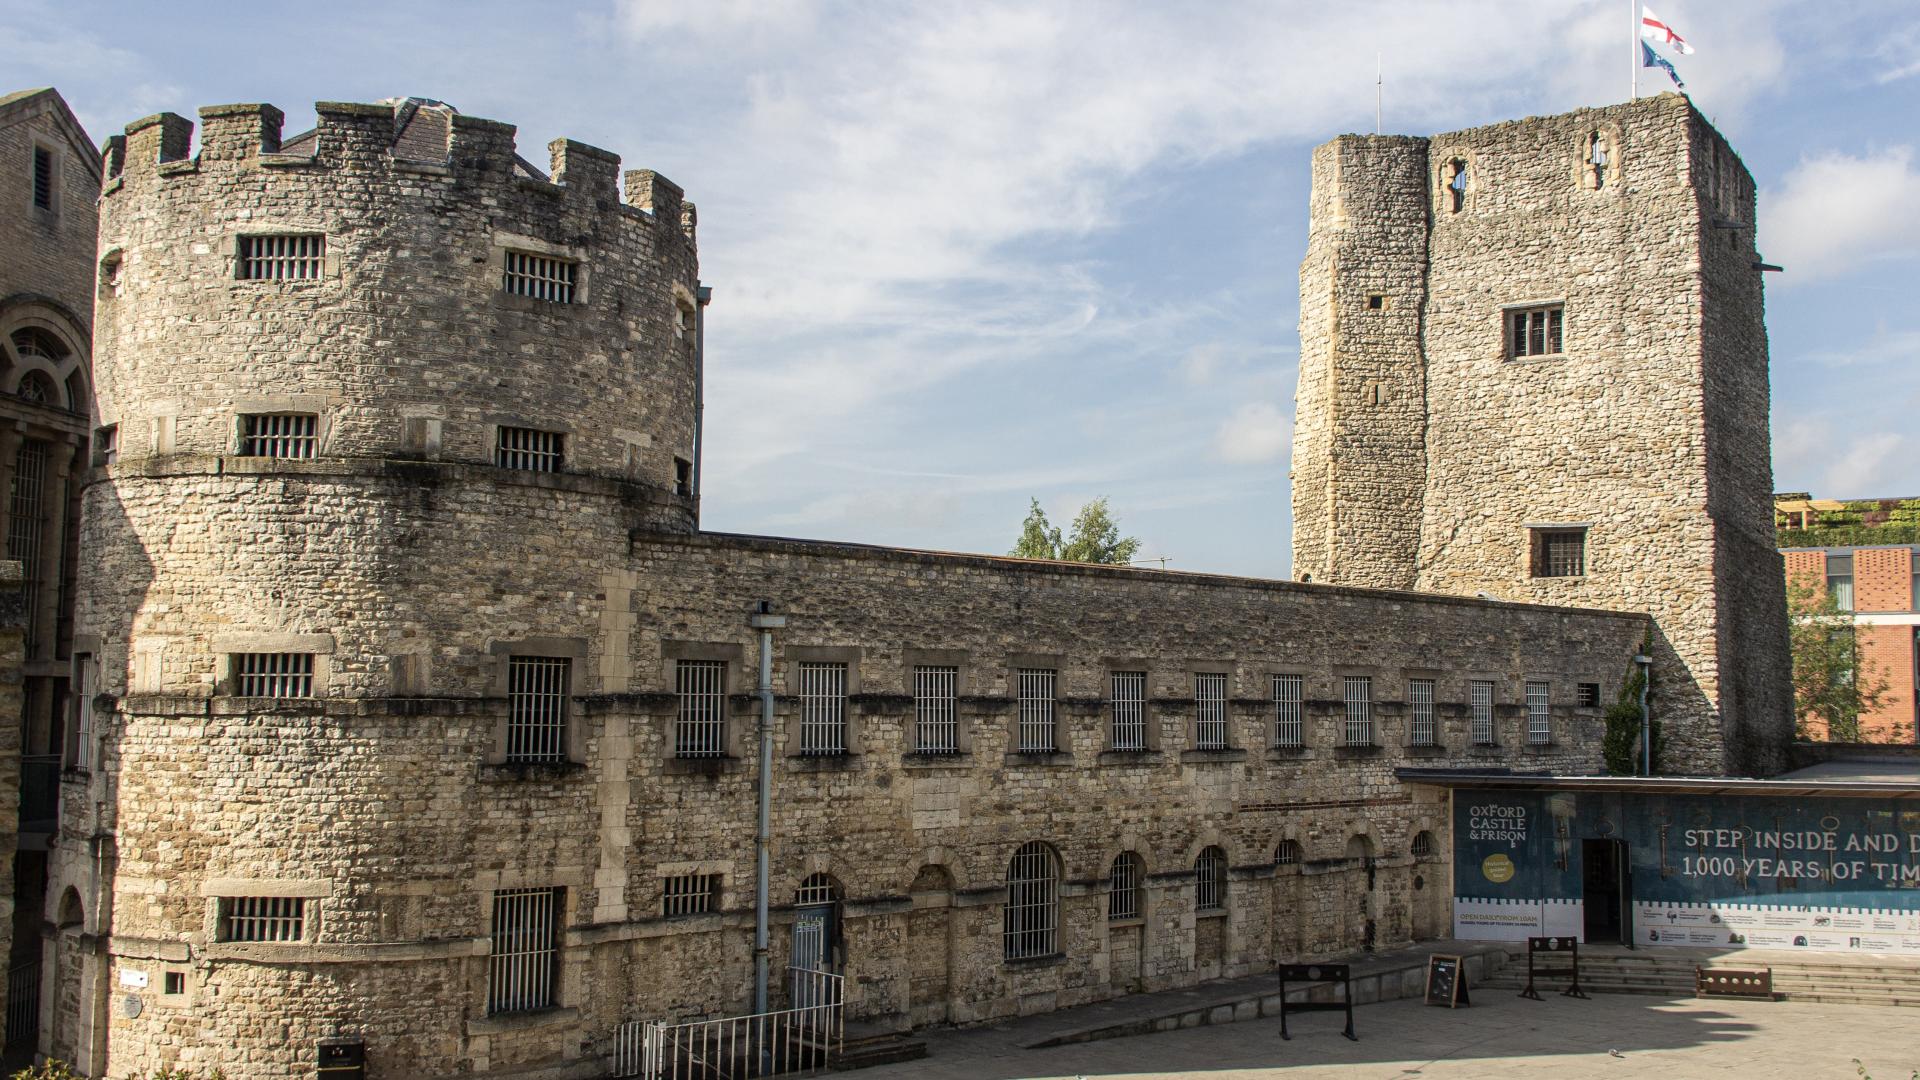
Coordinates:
[967,253]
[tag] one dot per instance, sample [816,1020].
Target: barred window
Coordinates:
[282,257]
[541,277]
[1287,854]
[1482,704]
[1031,920]
[1359,698]
[273,675]
[1287,727]
[43,178]
[701,727]
[1210,881]
[1559,552]
[1210,711]
[1423,845]
[1588,694]
[1126,888]
[526,957]
[537,690]
[1534,331]
[1129,709]
[278,435]
[262,918]
[823,708]
[690,894]
[1420,695]
[817,890]
[936,722]
[530,449]
[27,523]
[1036,711]
[1539,720]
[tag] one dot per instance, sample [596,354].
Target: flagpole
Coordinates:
[1633,18]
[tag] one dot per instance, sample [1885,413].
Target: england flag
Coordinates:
[1652,29]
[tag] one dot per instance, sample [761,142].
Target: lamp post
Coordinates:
[764,620]
[1646,718]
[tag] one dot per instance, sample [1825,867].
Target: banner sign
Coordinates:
[1723,870]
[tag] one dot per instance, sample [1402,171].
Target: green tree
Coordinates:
[1095,537]
[1829,682]
[1620,745]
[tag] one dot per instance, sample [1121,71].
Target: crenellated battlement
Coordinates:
[408,135]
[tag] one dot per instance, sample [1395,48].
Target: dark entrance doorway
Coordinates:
[1605,880]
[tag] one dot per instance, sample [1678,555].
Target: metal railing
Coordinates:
[801,1038]
[23,1007]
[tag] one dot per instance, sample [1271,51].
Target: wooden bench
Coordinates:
[1733,983]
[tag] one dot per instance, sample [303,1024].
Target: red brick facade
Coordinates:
[1887,612]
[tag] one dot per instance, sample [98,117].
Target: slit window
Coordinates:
[537,707]
[1036,711]
[530,449]
[1539,714]
[1535,331]
[541,277]
[1210,711]
[279,435]
[1288,729]
[1031,919]
[273,675]
[1359,701]
[282,257]
[700,729]
[1457,185]
[936,722]
[1481,704]
[43,178]
[1126,888]
[525,956]
[263,918]
[1129,710]
[1420,699]
[823,709]
[690,894]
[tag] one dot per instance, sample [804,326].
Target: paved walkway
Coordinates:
[1501,1035]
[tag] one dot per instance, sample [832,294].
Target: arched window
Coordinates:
[1423,845]
[1287,854]
[36,388]
[1597,159]
[1210,880]
[816,890]
[37,343]
[1457,184]
[1032,922]
[1360,847]
[1127,888]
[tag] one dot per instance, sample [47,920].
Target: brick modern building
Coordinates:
[416,709]
[1865,553]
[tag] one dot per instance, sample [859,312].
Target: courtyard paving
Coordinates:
[1501,1035]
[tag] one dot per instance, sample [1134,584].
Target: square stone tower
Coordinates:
[1534,366]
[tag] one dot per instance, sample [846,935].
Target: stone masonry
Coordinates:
[1429,455]
[383,801]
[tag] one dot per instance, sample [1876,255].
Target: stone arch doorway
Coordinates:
[930,947]
[1362,893]
[818,940]
[67,983]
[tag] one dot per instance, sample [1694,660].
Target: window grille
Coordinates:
[529,448]
[1539,721]
[1481,694]
[1423,845]
[26,522]
[263,918]
[1359,697]
[1589,695]
[1126,888]
[273,674]
[1287,854]
[1036,711]
[1840,579]
[1534,331]
[282,257]
[701,728]
[34,387]
[43,178]
[823,708]
[817,890]
[1420,691]
[537,689]
[1032,918]
[936,721]
[540,277]
[1210,711]
[85,683]
[1129,710]
[690,894]
[279,435]
[1560,552]
[1210,880]
[29,343]
[521,969]
[1287,727]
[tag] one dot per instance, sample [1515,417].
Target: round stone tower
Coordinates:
[378,406]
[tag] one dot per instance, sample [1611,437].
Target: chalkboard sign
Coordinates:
[1446,982]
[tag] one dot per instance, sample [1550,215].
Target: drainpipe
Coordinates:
[765,621]
[1646,718]
[704,295]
